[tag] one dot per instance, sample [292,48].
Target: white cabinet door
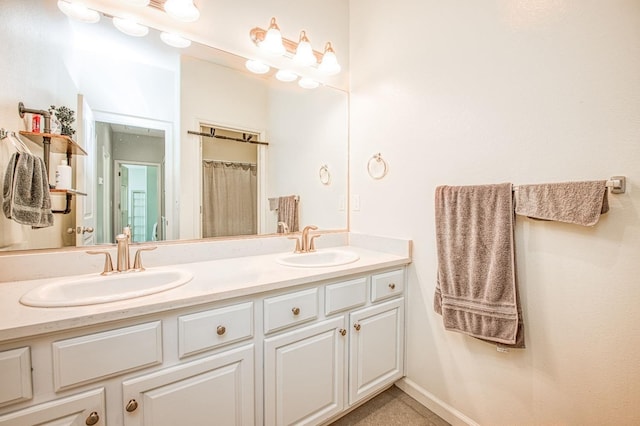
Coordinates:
[376,343]
[78,410]
[216,390]
[304,374]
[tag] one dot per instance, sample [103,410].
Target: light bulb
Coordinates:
[308,83]
[257,67]
[272,42]
[304,53]
[79,12]
[329,64]
[286,76]
[130,27]
[175,40]
[182,10]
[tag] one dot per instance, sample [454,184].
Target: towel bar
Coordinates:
[618,184]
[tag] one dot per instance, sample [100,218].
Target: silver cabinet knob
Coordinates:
[87,230]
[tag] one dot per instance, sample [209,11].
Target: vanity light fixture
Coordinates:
[308,83]
[286,76]
[271,40]
[130,27]
[175,40]
[79,12]
[329,64]
[182,10]
[304,52]
[257,67]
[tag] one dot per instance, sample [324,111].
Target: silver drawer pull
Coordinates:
[221,330]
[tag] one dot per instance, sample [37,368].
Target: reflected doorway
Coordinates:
[130,171]
[138,198]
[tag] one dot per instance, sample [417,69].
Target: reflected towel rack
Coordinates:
[246,137]
[618,184]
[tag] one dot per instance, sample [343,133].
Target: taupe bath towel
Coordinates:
[476,290]
[288,212]
[25,193]
[580,203]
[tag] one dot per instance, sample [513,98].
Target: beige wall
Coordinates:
[461,92]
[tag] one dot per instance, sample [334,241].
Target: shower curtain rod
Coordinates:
[238,163]
[228,138]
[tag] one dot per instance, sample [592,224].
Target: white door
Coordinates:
[217,390]
[304,374]
[376,345]
[86,176]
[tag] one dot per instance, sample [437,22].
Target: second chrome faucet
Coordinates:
[306,244]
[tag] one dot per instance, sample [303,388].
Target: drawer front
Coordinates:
[388,284]
[96,356]
[348,294]
[290,309]
[217,327]
[15,370]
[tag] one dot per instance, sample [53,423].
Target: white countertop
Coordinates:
[213,280]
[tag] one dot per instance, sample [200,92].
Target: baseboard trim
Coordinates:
[442,409]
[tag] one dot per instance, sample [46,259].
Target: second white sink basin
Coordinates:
[94,289]
[318,259]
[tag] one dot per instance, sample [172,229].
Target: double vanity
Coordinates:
[254,335]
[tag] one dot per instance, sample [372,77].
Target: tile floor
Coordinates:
[391,407]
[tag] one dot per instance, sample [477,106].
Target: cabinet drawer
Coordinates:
[217,327]
[388,284]
[96,356]
[84,408]
[289,309]
[15,370]
[345,295]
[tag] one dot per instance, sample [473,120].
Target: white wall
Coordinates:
[29,40]
[461,92]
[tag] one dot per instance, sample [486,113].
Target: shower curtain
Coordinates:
[229,199]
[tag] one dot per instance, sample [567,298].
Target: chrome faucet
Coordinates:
[123,262]
[284,226]
[306,243]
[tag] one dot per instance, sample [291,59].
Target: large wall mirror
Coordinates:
[141,105]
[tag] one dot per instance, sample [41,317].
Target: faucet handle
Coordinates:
[137,263]
[108,264]
[312,244]
[297,249]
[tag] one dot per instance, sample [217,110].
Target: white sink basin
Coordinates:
[94,289]
[318,259]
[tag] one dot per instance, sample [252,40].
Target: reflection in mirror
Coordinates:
[129,168]
[142,83]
